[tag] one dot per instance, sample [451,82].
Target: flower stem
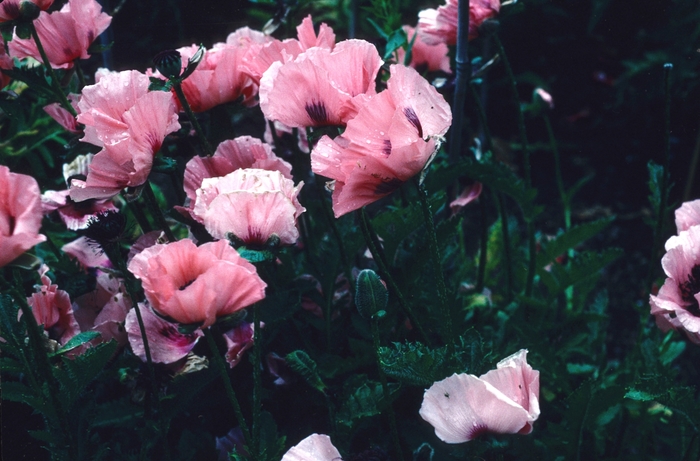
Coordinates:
[378,256]
[54,80]
[437,261]
[506,246]
[483,246]
[152,205]
[526,164]
[385,390]
[219,362]
[257,387]
[177,86]
[461,77]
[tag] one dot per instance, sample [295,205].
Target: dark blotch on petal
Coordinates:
[477,431]
[387,186]
[413,118]
[689,288]
[317,112]
[386,149]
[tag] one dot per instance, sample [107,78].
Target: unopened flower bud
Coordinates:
[371,295]
[28,11]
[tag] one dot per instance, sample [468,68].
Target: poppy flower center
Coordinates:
[689,288]
[182,287]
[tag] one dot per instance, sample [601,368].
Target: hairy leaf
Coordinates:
[569,240]
[301,363]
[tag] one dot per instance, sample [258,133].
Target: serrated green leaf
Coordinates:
[271,444]
[10,365]
[570,239]
[35,79]
[363,400]
[582,267]
[79,371]
[117,413]
[301,363]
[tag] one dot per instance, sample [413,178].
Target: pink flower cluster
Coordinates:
[676,306]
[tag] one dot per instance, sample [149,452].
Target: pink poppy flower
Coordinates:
[65,34]
[231,155]
[238,340]
[261,55]
[5,63]
[503,401]
[104,310]
[74,215]
[20,214]
[391,139]
[166,343]
[425,57]
[676,305]
[130,123]
[252,204]
[318,87]
[52,308]
[86,253]
[440,26]
[316,447]
[9,9]
[62,116]
[688,215]
[183,281]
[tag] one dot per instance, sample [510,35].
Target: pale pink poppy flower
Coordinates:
[183,281]
[391,139]
[316,447]
[166,343]
[676,305]
[86,253]
[245,37]
[261,55]
[104,310]
[468,195]
[688,215]
[440,26]
[318,87]
[238,340]
[218,78]
[502,401]
[20,214]
[9,9]
[5,63]
[252,204]
[130,123]
[231,155]
[425,57]
[52,308]
[65,34]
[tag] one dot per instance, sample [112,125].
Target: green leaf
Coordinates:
[364,398]
[35,79]
[76,341]
[184,389]
[378,29]
[301,363]
[569,240]
[10,365]
[79,371]
[656,175]
[582,267]
[371,296]
[118,413]
[396,40]
[271,443]
[670,350]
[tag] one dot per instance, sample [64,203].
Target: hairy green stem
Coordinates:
[177,86]
[221,366]
[483,245]
[257,386]
[437,260]
[506,245]
[385,390]
[54,80]
[378,256]
[155,210]
[462,75]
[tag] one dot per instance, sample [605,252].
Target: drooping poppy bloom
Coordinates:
[262,53]
[231,155]
[62,116]
[392,138]
[677,304]
[316,447]
[166,343]
[130,123]
[65,35]
[468,195]
[20,214]
[252,204]
[238,340]
[183,281]
[104,310]
[424,57]
[503,401]
[10,9]
[688,215]
[440,26]
[52,308]
[318,87]
[5,63]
